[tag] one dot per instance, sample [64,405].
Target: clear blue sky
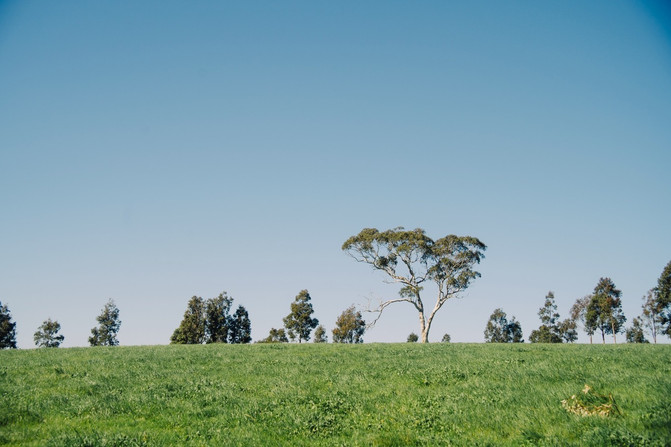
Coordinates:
[155,150]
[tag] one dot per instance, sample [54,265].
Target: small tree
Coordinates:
[446,338]
[349,327]
[651,316]
[47,335]
[191,330]
[579,313]
[299,322]
[217,319]
[241,327]
[412,338]
[635,333]
[568,330]
[276,336]
[320,335]
[108,326]
[411,259]
[604,310]
[549,331]
[663,299]
[499,330]
[7,328]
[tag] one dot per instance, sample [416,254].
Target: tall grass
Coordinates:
[311,394]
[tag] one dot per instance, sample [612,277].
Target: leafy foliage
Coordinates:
[579,314]
[446,338]
[499,330]
[635,333]
[191,330]
[7,328]
[549,331]
[276,336]
[412,338]
[47,334]
[299,322]
[604,311]
[350,327]
[411,258]
[240,327]
[320,335]
[651,315]
[217,319]
[105,334]
[663,298]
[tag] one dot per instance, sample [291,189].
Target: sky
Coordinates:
[152,151]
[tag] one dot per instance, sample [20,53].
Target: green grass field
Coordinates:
[375,394]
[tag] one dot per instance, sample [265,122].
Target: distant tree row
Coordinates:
[298,325]
[601,312]
[47,335]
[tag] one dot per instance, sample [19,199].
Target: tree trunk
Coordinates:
[590,339]
[603,337]
[423,328]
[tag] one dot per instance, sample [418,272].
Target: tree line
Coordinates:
[410,259]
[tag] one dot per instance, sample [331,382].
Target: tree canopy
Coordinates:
[663,299]
[299,322]
[47,334]
[411,259]
[350,327]
[105,334]
[500,330]
[549,331]
[604,311]
[7,328]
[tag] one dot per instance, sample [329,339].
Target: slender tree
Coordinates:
[651,316]
[500,330]
[411,259]
[549,331]
[568,330]
[663,299]
[241,327]
[579,314]
[349,327]
[47,334]
[320,335]
[604,310]
[108,326]
[217,319]
[299,322]
[191,330]
[7,328]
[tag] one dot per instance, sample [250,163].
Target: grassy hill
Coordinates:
[375,394]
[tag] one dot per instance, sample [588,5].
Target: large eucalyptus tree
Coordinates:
[410,258]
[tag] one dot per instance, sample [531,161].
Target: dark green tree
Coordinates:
[411,259]
[191,330]
[47,334]
[7,328]
[349,327]
[108,326]
[604,311]
[635,333]
[320,335]
[217,318]
[568,330]
[663,299]
[446,338]
[499,330]
[412,338]
[549,331]
[299,322]
[276,336]
[240,327]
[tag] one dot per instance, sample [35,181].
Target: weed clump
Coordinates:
[590,403]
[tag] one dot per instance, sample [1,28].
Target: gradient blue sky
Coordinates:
[155,150]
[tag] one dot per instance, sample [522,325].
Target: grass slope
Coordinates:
[376,394]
